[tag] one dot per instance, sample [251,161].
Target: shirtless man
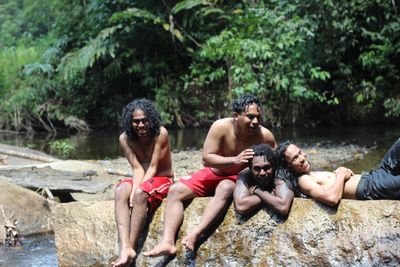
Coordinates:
[257,186]
[226,152]
[146,146]
[330,187]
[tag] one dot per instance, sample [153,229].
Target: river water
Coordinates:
[40,251]
[104,144]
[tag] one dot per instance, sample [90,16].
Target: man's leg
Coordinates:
[391,161]
[138,216]
[122,218]
[173,217]
[215,209]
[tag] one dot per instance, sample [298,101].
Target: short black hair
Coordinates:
[149,110]
[267,152]
[240,104]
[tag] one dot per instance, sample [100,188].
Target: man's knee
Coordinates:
[225,189]
[122,191]
[139,197]
[179,191]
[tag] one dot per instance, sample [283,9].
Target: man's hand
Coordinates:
[252,189]
[244,156]
[347,173]
[131,199]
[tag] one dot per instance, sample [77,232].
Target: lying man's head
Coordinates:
[263,164]
[293,158]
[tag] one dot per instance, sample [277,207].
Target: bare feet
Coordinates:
[161,249]
[189,241]
[126,257]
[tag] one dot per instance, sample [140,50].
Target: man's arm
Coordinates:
[243,199]
[160,148]
[330,196]
[211,149]
[138,171]
[281,201]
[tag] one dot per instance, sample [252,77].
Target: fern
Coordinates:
[77,62]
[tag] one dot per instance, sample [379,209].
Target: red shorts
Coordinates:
[156,188]
[204,182]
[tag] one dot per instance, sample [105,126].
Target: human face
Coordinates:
[262,170]
[140,123]
[250,118]
[297,159]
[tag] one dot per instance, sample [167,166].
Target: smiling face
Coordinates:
[140,123]
[250,118]
[262,170]
[297,159]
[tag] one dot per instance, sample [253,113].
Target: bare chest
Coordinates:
[325,179]
[143,152]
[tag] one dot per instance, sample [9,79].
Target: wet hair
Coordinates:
[280,152]
[241,103]
[284,172]
[149,110]
[265,151]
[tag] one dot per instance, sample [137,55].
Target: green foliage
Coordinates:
[75,64]
[62,148]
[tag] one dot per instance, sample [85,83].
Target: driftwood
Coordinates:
[119,172]
[3,159]
[11,233]
[26,155]
[45,192]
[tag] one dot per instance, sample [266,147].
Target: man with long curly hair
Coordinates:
[226,152]
[330,187]
[145,144]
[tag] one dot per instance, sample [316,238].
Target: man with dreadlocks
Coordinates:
[257,185]
[226,152]
[146,146]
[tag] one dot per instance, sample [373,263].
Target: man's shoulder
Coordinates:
[224,124]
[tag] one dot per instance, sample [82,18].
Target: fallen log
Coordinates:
[26,155]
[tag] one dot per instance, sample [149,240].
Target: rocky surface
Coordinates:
[361,233]
[32,211]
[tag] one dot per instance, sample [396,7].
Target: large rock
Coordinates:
[31,210]
[360,233]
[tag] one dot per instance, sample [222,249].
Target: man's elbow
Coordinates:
[283,209]
[241,208]
[331,201]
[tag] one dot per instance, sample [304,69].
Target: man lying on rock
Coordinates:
[146,146]
[330,187]
[257,185]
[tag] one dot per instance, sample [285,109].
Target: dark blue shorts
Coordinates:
[384,182]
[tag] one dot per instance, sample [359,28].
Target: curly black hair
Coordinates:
[267,152]
[149,110]
[241,103]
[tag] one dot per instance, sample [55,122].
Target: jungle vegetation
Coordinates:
[74,64]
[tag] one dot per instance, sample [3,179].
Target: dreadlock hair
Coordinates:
[151,113]
[265,151]
[241,103]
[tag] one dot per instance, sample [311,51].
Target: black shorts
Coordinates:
[384,182]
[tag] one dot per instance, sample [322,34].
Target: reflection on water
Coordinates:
[104,145]
[35,251]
